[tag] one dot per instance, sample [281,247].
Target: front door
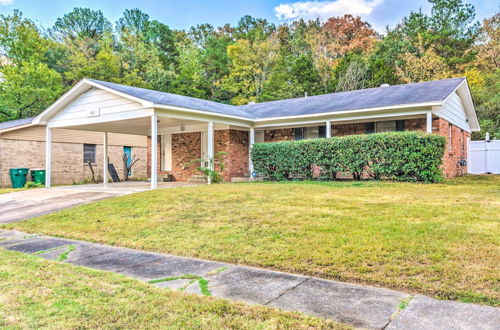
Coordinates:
[166,152]
[128,152]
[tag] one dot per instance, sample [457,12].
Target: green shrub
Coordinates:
[31,184]
[403,156]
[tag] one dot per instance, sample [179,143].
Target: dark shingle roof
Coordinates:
[431,91]
[175,100]
[14,123]
[424,92]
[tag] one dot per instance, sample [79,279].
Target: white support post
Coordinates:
[328,129]
[210,146]
[48,156]
[429,122]
[105,159]
[251,143]
[154,151]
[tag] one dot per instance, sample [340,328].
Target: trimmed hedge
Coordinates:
[403,156]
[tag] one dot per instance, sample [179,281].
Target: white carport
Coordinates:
[91,106]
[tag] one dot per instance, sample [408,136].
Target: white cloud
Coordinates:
[325,9]
[6,2]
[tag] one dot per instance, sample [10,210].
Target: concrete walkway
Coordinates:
[25,204]
[360,306]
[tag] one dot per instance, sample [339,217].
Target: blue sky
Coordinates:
[181,14]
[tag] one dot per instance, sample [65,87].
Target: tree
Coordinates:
[20,39]
[250,66]
[27,89]
[452,31]
[347,34]
[137,24]
[488,57]
[190,78]
[81,23]
[253,29]
[422,65]
[351,73]
[27,84]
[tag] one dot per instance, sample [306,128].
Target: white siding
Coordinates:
[453,111]
[95,101]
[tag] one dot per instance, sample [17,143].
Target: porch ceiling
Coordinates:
[142,126]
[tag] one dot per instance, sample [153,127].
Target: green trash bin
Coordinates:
[18,177]
[38,176]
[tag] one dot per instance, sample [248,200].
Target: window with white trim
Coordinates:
[312,132]
[89,151]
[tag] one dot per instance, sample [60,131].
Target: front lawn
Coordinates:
[8,190]
[435,239]
[36,293]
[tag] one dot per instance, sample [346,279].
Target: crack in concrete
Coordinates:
[286,291]
[403,304]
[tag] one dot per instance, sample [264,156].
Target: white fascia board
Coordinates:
[464,93]
[77,90]
[470,110]
[10,129]
[200,115]
[335,113]
[395,115]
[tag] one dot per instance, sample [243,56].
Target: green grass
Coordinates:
[37,293]
[436,239]
[8,190]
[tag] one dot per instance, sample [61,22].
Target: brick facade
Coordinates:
[187,147]
[453,134]
[275,135]
[67,160]
[235,143]
[456,146]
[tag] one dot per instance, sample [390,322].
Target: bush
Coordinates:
[403,156]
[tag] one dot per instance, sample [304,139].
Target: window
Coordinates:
[88,153]
[312,132]
[369,128]
[400,125]
[385,126]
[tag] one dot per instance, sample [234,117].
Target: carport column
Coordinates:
[210,147]
[154,151]
[48,155]
[105,159]
[252,142]
[429,122]
[328,129]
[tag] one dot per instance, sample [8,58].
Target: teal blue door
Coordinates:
[128,151]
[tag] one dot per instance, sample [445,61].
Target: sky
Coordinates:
[182,14]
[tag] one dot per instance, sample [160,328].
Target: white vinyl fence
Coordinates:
[484,157]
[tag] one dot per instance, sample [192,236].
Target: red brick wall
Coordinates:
[419,124]
[276,135]
[235,143]
[187,147]
[456,146]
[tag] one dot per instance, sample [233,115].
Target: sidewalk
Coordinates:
[357,305]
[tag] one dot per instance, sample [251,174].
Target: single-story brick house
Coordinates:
[22,144]
[181,129]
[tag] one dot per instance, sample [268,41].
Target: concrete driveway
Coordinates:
[25,204]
